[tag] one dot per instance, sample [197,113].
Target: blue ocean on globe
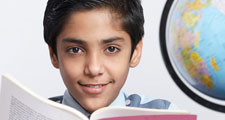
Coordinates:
[212,43]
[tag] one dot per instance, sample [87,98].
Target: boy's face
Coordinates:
[93,55]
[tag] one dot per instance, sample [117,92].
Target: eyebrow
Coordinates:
[110,40]
[82,42]
[76,41]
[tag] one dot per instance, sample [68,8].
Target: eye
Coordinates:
[74,50]
[112,49]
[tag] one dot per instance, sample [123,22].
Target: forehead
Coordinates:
[93,25]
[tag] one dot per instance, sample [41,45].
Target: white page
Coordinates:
[110,112]
[16,104]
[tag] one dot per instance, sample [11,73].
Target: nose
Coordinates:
[94,65]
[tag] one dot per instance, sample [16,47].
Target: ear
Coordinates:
[136,55]
[53,58]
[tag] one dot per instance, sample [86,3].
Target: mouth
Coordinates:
[93,88]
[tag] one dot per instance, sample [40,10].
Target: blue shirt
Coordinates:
[123,100]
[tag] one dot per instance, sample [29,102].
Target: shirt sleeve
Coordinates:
[173,107]
[141,101]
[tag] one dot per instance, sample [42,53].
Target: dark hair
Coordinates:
[58,11]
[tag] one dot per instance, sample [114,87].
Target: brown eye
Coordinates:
[112,49]
[75,50]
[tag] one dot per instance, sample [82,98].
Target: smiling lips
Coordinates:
[93,88]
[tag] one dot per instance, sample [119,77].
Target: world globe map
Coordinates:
[192,35]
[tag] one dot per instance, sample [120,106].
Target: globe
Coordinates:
[192,39]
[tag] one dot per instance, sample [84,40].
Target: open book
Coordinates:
[19,103]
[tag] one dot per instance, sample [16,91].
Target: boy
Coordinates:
[94,43]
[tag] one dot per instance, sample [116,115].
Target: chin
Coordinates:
[91,109]
[93,106]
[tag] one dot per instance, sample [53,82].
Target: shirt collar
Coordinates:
[68,100]
[119,101]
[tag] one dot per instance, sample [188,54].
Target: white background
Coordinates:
[24,54]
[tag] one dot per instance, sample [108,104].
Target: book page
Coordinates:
[155,117]
[19,103]
[110,112]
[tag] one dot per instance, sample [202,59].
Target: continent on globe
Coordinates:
[197,40]
[219,4]
[214,64]
[197,5]
[190,19]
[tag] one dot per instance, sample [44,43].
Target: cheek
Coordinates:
[118,69]
[70,70]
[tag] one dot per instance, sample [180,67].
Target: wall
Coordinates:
[24,54]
